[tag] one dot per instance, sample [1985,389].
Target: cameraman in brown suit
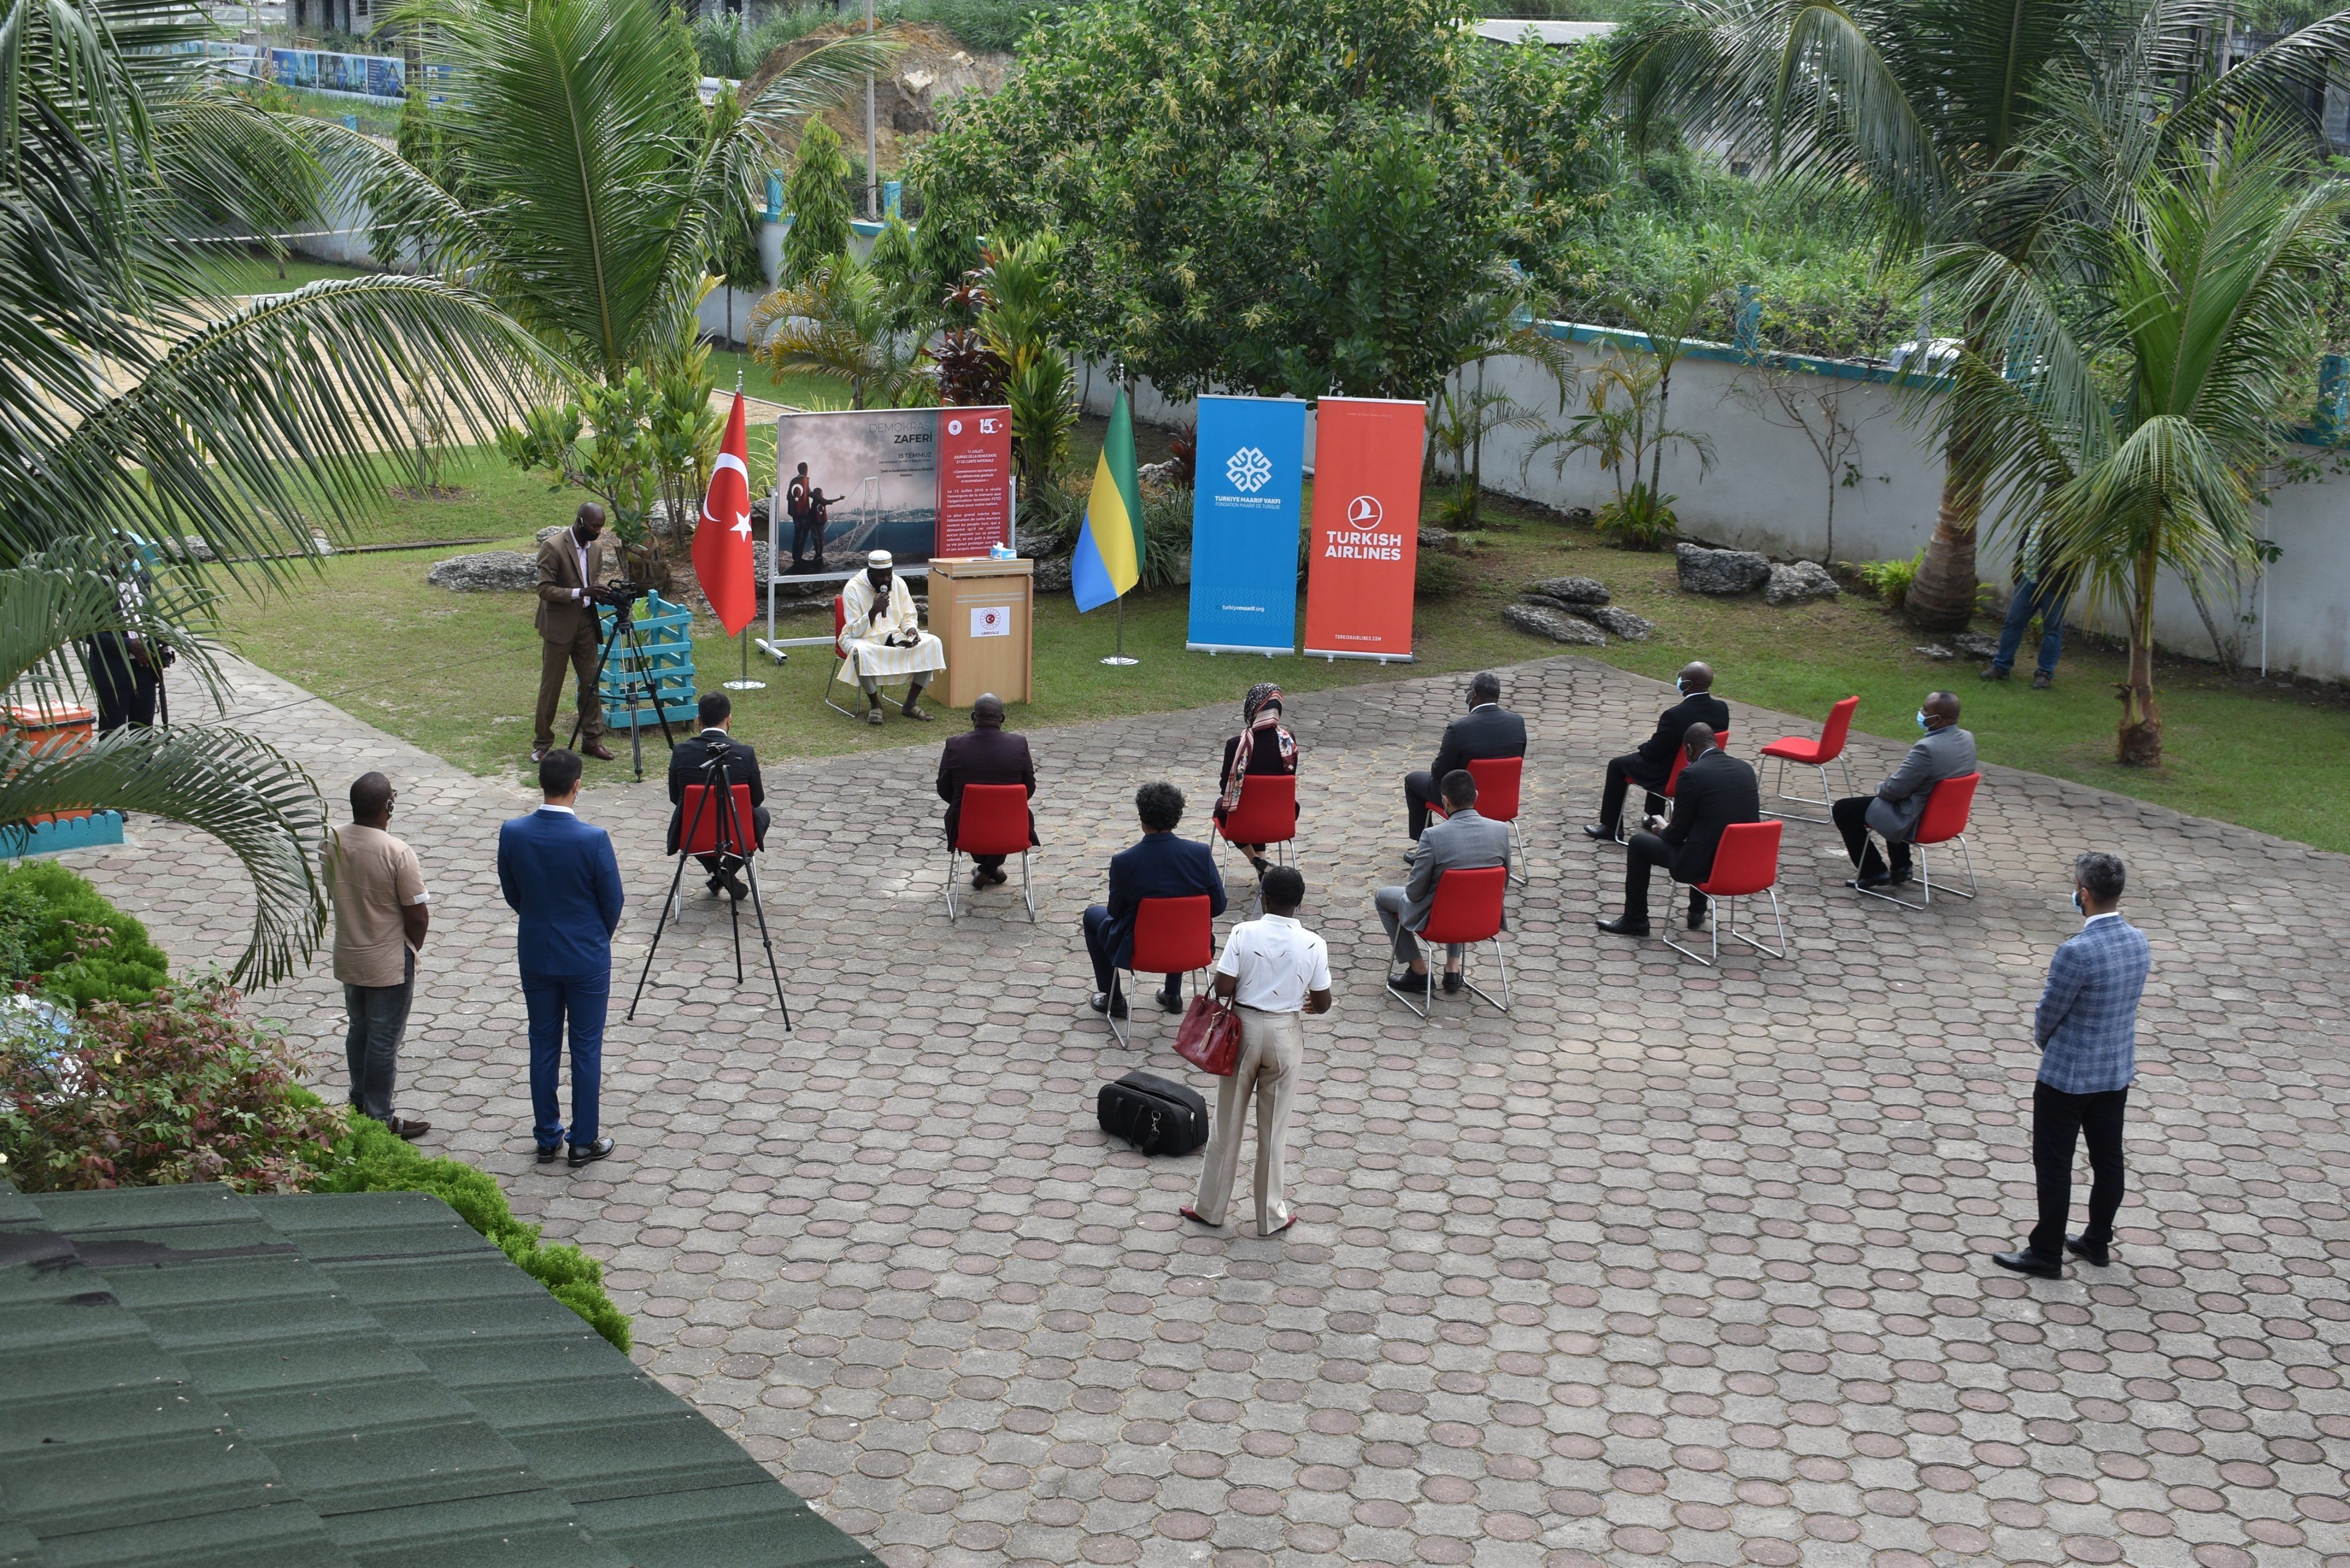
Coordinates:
[570,565]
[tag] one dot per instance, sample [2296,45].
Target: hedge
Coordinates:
[371,1159]
[58,936]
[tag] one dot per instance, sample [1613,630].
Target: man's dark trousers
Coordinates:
[2058,1121]
[1643,851]
[1419,795]
[550,998]
[1851,816]
[378,1015]
[1098,949]
[1619,783]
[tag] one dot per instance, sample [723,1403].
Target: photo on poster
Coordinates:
[851,482]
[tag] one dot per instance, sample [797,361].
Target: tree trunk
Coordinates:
[1942,596]
[2140,742]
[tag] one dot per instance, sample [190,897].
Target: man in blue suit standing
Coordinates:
[560,876]
[2086,1028]
[1160,866]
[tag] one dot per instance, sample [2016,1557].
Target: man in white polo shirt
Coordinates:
[1274,971]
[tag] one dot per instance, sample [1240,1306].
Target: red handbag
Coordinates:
[1210,1037]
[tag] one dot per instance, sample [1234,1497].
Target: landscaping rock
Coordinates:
[1573,592]
[1619,622]
[1053,575]
[488,572]
[551,530]
[1034,543]
[1441,541]
[1704,571]
[1798,583]
[1975,645]
[1932,650]
[1545,620]
[187,548]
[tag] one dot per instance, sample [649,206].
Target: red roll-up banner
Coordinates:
[1366,549]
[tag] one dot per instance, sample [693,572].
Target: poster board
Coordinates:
[1365,548]
[917,482]
[1244,519]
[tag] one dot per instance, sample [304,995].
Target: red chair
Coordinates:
[1266,813]
[1499,782]
[1818,754]
[706,828]
[1948,809]
[1467,909]
[993,820]
[1171,936]
[1745,862]
[839,656]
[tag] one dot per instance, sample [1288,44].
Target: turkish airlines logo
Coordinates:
[1364,514]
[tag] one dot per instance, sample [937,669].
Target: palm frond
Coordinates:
[53,601]
[254,799]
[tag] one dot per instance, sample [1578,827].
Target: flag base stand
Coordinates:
[1120,658]
[745,683]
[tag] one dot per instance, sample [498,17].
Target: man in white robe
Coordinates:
[881,638]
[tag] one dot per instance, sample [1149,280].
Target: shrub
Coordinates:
[1891,580]
[368,1157]
[60,937]
[1641,520]
[181,1090]
[1438,576]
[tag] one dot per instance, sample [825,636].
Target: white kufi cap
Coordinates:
[880,558]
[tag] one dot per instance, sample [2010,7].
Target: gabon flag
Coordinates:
[1108,559]
[722,539]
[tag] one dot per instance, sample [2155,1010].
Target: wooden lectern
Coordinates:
[984,611]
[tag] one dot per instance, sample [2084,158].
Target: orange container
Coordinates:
[54,729]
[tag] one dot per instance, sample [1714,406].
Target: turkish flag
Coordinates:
[722,540]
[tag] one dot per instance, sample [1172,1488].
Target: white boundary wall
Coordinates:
[1768,489]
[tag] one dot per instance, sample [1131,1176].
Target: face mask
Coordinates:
[1681,686]
[1921,718]
[2076,902]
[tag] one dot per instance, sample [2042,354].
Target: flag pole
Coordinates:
[1119,657]
[745,683]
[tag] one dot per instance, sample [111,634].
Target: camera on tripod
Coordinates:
[620,592]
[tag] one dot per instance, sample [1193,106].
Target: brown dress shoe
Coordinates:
[408,1127]
[598,750]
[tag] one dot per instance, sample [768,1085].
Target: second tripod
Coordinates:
[717,821]
[640,685]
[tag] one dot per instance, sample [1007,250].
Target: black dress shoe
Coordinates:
[714,881]
[2029,1262]
[1621,927]
[1902,874]
[2097,1254]
[1593,830]
[978,877]
[547,1152]
[1103,1002]
[589,1154]
[996,876]
[1453,982]
[1696,917]
[1168,1001]
[1405,980]
[1868,881]
[736,888]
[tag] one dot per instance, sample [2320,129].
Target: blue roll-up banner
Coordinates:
[1244,521]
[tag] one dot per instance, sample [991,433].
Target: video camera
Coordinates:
[620,594]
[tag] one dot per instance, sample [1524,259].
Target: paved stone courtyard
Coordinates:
[1672,1265]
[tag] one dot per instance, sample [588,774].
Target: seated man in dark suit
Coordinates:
[1943,751]
[1716,790]
[985,754]
[688,764]
[1159,866]
[1487,730]
[1652,764]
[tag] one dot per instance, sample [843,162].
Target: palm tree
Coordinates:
[2156,334]
[139,402]
[842,320]
[1925,102]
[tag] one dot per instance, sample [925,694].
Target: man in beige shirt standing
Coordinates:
[377,891]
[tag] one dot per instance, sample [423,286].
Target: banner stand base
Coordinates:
[1334,654]
[1213,649]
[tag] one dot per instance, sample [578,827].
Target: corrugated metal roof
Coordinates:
[193,1377]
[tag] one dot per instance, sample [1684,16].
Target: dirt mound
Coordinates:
[933,70]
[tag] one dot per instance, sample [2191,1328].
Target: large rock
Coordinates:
[1053,575]
[1975,645]
[1617,621]
[1573,592]
[1704,571]
[1799,582]
[1438,541]
[488,572]
[1546,621]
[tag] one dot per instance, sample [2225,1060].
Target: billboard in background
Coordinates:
[1244,508]
[917,482]
[1361,565]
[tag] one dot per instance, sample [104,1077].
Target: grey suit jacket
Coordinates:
[1464,841]
[1939,754]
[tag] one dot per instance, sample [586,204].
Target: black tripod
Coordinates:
[623,603]
[734,837]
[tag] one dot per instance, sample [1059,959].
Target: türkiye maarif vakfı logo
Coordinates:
[1364,514]
[1249,470]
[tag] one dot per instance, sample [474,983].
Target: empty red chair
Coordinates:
[1948,809]
[1745,862]
[1266,813]
[1171,936]
[993,820]
[1817,754]
[1499,782]
[1467,909]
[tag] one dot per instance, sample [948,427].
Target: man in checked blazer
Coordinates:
[2086,1028]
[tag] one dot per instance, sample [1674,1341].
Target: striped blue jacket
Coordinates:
[2086,1024]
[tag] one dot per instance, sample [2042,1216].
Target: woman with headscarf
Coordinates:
[1264,745]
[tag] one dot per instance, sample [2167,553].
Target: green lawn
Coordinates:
[235,274]
[457,673]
